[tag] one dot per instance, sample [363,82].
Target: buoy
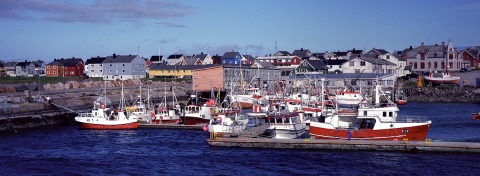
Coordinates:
[205,128]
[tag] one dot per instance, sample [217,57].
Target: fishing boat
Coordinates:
[442,78]
[164,114]
[198,114]
[102,117]
[227,122]
[476,116]
[245,100]
[286,125]
[347,97]
[378,121]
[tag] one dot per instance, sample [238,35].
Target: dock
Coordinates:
[249,140]
[172,126]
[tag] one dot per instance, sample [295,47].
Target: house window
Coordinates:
[54,66]
[435,65]
[92,71]
[48,66]
[388,56]
[422,65]
[100,65]
[450,56]
[422,56]
[123,71]
[429,65]
[54,72]
[48,72]
[100,71]
[110,65]
[362,63]
[123,65]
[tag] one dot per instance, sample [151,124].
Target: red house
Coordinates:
[65,67]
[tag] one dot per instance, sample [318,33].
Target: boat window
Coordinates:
[364,113]
[390,114]
[384,114]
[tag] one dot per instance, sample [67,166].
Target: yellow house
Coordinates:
[178,71]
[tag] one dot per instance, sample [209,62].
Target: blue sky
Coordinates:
[42,29]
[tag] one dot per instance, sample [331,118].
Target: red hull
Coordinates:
[166,121]
[195,121]
[475,116]
[401,102]
[244,105]
[416,133]
[127,126]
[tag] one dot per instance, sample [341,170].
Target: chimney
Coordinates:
[114,55]
[443,43]
[353,49]
[201,53]
[422,44]
[436,44]
[410,46]
[301,49]
[54,59]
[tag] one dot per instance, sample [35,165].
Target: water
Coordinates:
[70,151]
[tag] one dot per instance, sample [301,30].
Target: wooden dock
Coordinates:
[249,138]
[172,126]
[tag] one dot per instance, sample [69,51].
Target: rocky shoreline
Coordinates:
[454,95]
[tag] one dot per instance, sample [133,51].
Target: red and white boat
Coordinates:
[105,118]
[347,97]
[443,78]
[246,99]
[286,125]
[199,114]
[401,102]
[476,116]
[163,114]
[370,122]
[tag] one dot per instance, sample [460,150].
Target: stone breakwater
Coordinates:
[453,95]
[48,117]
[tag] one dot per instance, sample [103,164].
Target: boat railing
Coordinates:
[86,114]
[411,119]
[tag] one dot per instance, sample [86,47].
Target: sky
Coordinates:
[53,29]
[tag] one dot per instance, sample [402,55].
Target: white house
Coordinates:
[433,58]
[368,64]
[94,67]
[397,60]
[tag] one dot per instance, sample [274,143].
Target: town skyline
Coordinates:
[64,29]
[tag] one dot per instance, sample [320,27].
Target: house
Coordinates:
[69,67]
[304,54]
[249,59]
[258,74]
[334,65]
[336,55]
[206,59]
[397,60]
[281,62]
[94,67]
[433,58]
[25,68]
[282,53]
[3,72]
[337,82]
[190,60]
[354,51]
[217,59]
[174,59]
[471,57]
[39,67]
[124,67]
[311,67]
[368,64]
[10,68]
[233,57]
[156,59]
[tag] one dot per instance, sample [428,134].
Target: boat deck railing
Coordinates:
[409,119]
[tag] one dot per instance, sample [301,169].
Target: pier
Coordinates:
[250,139]
[172,126]
[397,146]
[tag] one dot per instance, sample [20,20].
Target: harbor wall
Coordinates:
[48,117]
[449,95]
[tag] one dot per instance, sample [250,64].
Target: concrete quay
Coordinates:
[395,146]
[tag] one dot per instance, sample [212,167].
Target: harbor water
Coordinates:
[70,151]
